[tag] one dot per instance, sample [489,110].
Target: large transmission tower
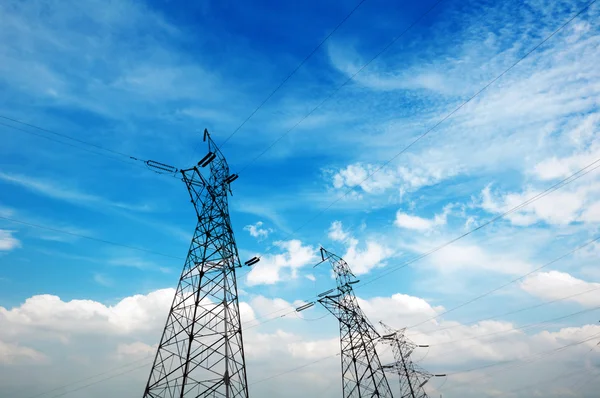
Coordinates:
[201,352]
[412,377]
[362,375]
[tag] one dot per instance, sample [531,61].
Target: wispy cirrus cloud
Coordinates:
[8,241]
[71,195]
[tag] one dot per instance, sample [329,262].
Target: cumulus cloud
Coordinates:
[8,241]
[408,221]
[267,350]
[554,284]
[361,258]
[373,179]
[558,208]
[15,353]
[271,267]
[257,231]
[132,314]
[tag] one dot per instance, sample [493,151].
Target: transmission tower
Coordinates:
[362,375]
[201,352]
[412,377]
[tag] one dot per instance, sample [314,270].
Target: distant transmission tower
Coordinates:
[412,377]
[201,352]
[362,375]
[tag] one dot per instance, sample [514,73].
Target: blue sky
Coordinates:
[146,78]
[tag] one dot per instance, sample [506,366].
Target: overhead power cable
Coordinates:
[337,89]
[89,237]
[512,312]
[589,242]
[523,327]
[449,115]
[62,142]
[69,137]
[573,177]
[293,72]
[519,362]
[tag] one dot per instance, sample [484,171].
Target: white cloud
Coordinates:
[257,232]
[310,277]
[555,284]
[407,221]
[399,310]
[267,350]
[373,179]
[102,280]
[355,175]
[461,256]
[364,260]
[53,190]
[561,207]
[14,353]
[135,350]
[132,314]
[360,258]
[337,233]
[271,266]
[8,241]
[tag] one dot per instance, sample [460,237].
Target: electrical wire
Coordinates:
[65,143]
[337,89]
[589,242]
[524,327]
[573,177]
[371,174]
[99,381]
[293,72]
[511,312]
[104,148]
[519,362]
[89,237]
[89,378]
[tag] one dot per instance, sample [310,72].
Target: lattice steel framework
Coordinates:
[412,377]
[201,352]
[362,375]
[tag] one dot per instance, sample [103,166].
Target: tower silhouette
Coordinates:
[362,374]
[411,376]
[201,352]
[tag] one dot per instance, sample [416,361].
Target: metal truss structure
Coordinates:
[201,352]
[362,374]
[412,377]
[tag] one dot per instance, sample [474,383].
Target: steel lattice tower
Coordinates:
[412,377]
[362,375]
[201,352]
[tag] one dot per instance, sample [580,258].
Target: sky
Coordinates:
[386,144]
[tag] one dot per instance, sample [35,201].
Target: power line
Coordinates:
[589,242]
[99,381]
[89,237]
[293,72]
[519,363]
[369,175]
[573,177]
[337,89]
[65,143]
[113,151]
[540,354]
[132,160]
[523,327]
[513,312]
[89,378]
